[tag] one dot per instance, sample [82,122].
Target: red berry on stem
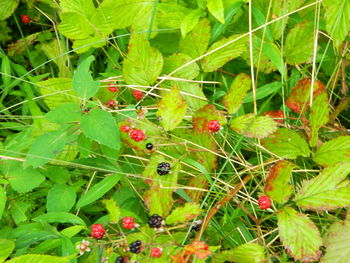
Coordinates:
[137,135]
[97,231]
[111,103]
[125,128]
[112,87]
[137,94]
[129,222]
[25,19]
[264,202]
[156,252]
[214,126]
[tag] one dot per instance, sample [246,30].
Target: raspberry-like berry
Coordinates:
[155,221]
[111,103]
[137,135]
[97,231]
[137,94]
[264,202]
[135,247]
[129,222]
[119,259]
[25,19]
[156,252]
[214,126]
[112,87]
[163,168]
[149,146]
[125,128]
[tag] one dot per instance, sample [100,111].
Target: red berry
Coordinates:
[214,126]
[125,128]
[111,103]
[112,87]
[137,135]
[277,115]
[128,222]
[264,202]
[97,231]
[156,252]
[137,94]
[25,19]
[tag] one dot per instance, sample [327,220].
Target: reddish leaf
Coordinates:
[276,115]
[198,248]
[207,113]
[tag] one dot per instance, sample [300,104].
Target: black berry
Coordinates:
[119,260]
[197,225]
[135,247]
[163,168]
[155,221]
[149,146]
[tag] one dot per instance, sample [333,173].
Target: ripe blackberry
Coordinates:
[197,225]
[119,259]
[163,168]
[149,146]
[135,247]
[155,221]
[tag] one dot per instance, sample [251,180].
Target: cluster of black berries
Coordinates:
[119,260]
[163,168]
[197,225]
[135,247]
[155,221]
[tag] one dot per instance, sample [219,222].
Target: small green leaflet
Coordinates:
[100,126]
[18,211]
[190,21]
[299,235]
[40,259]
[252,126]
[216,8]
[59,217]
[334,151]
[83,83]
[7,7]
[327,191]
[277,187]
[23,180]
[3,200]
[184,214]
[60,198]
[177,60]
[319,115]
[171,109]
[6,248]
[246,253]
[64,113]
[113,210]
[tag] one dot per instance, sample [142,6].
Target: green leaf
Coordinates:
[60,198]
[319,115]
[194,102]
[277,186]
[237,92]
[3,200]
[7,247]
[68,112]
[286,143]
[216,8]
[246,253]
[83,83]
[98,190]
[19,211]
[100,126]
[327,191]
[190,21]
[170,15]
[59,217]
[171,109]
[40,259]
[177,60]
[7,7]
[184,214]
[113,210]
[252,126]
[299,235]
[72,231]
[334,151]
[143,63]
[337,15]
[24,180]
[337,242]
[196,42]
[298,46]
[230,48]
[207,113]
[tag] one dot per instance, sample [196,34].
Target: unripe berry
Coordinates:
[214,126]
[112,87]
[137,135]
[125,128]
[111,103]
[156,252]
[25,19]
[129,222]
[137,94]
[264,202]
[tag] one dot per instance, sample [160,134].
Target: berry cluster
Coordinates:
[137,135]
[97,231]
[163,168]
[129,222]
[264,202]
[135,247]
[155,221]
[156,252]
[214,126]
[137,94]
[119,259]
[112,87]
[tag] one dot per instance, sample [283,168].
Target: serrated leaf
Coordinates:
[143,63]
[337,15]
[7,247]
[190,21]
[184,214]
[177,60]
[3,200]
[60,198]
[216,8]
[295,53]
[334,151]
[171,15]
[196,42]
[205,114]
[327,191]
[40,259]
[194,102]
[19,211]
[246,253]
[100,126]
[237,92]
[7,7]
[59,217]
[232,47]
[337,242]
[24,180]
[83,83]
[299,235]
[171,109]
[252,126]
[277,187]
[64,113]
[113,210]
[286,144]
[98,190]
[299,99]
[319,115]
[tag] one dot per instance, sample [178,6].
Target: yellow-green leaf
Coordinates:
[190,21]
[184,214]
[40,259]
[175,61]
[6,248]
[7,7]
[113,210]
[334,151]
[216,8]
[319,115]
[246,253]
